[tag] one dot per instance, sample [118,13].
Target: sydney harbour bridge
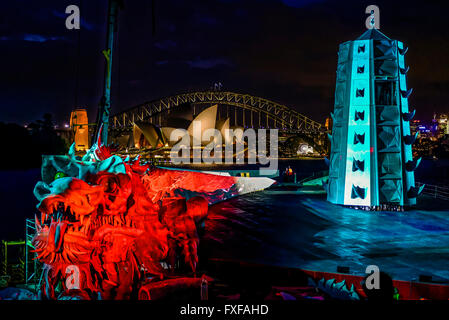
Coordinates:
[248,111]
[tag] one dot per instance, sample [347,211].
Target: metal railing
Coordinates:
[437,192]
[315,175]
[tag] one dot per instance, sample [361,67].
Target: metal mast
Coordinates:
[105,103]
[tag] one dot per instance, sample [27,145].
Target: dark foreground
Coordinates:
[305,231]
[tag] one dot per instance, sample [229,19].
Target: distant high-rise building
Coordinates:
[371,160]
[414,124]
[443,125]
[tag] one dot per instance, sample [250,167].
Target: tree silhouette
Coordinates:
[23,147]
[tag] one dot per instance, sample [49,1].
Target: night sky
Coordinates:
[283,50]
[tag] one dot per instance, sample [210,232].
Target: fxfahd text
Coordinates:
[228,309]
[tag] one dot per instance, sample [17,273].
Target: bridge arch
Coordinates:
[280,115]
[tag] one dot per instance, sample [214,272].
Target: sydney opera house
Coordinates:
[146,135]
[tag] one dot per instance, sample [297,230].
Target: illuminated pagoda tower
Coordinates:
[371,163]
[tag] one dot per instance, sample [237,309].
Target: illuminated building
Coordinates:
[414,125]
[371,162]
[443,125]
[148,135]
[79,124]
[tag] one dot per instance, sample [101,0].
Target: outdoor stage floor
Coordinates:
[307,232]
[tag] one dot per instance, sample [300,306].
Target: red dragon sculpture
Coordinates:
[108,223]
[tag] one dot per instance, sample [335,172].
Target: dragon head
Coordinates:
[81,202]
[75,213]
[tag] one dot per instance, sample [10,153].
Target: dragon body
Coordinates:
[108,223]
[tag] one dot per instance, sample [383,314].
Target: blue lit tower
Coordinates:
[371,162]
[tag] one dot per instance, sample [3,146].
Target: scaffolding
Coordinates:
[12,261]
[31,274]
[24,269]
